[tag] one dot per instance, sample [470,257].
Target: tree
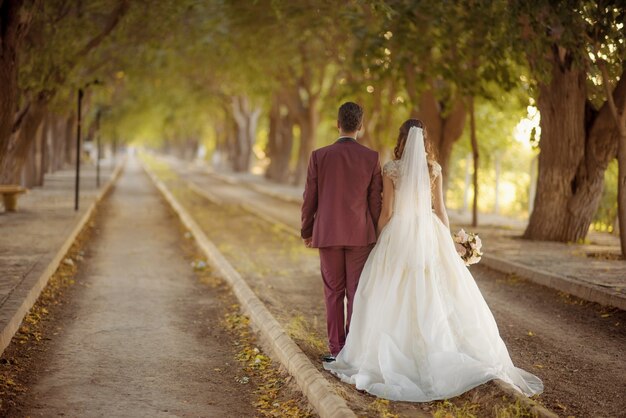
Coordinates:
[301,45]
[48,66]
[444,52]
[404,39]
[578,134]
[15,18]
[280,138]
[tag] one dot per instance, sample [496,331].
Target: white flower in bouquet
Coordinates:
[479,243]
[461,236]
[472,244]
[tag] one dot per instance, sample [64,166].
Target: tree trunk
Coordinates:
[34,167]
[576,145]
[47,146]
[246,120]
[14,23]
[220,153]
[191,149]
[59,143]
[12,28]
[69,136]
[114,148]
[280,141]
[308,120]
[475,156]
[444,126]
[20,143]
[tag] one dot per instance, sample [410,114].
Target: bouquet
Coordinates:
[472,244]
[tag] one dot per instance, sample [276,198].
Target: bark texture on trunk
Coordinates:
[307,117]
[34,167]
[246,119]
[577,143]
[308,132]
[20,144]
[280,140]
[14,23]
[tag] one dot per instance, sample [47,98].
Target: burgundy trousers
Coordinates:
[341,268]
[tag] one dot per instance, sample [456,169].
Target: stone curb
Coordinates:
[27,292]
[318,390]
[556,281]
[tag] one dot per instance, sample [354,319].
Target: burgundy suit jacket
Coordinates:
[342,195]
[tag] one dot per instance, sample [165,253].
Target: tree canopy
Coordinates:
[258,83]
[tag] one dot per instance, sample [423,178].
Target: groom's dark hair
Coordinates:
[350,116]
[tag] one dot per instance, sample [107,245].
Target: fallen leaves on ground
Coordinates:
[31,334]
[271,397]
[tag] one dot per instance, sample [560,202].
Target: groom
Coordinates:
[342,203]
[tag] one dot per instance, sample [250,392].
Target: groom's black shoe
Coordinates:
[329,358]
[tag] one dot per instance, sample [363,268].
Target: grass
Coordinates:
[300,329]
[447,409]
[513,410]
[381,408]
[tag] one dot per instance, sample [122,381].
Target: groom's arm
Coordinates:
[375,190]
[309,205]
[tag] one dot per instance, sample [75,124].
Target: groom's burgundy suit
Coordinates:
[342,203]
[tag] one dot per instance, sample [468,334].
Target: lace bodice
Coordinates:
[392,170]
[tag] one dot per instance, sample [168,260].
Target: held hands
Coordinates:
[307,242]
[460,249]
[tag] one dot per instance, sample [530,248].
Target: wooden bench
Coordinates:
[9,194]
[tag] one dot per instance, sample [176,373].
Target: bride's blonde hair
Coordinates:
[404,134]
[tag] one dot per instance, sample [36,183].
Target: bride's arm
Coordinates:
[387,209]
[438,202]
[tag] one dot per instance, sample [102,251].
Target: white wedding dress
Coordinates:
[420,328]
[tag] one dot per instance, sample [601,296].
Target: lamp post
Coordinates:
[81,93]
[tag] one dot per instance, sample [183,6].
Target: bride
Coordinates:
[420,328]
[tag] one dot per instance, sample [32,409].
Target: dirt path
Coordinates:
[577,348]
[142,337]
